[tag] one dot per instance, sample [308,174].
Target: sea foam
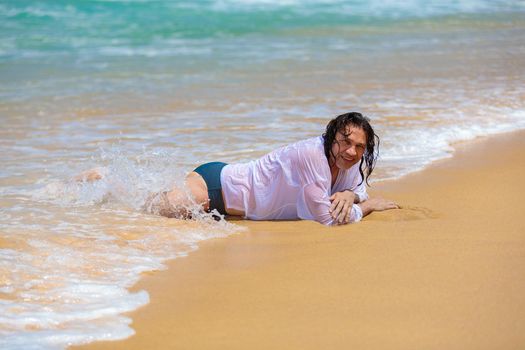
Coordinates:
[68,277]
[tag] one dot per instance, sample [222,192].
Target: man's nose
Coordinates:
[351,151]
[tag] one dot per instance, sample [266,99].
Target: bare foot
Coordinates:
[91,175]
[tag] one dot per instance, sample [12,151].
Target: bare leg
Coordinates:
[198,189]
[177,202]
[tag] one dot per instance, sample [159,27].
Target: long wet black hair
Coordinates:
[339,123]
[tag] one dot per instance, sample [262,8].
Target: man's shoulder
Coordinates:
[312,146]
[309,153]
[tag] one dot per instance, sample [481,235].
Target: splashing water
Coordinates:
[67,278]
[172,93]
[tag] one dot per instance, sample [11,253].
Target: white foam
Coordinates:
[408,150]
[152,51]
[75,293]
[71,282]
[380,8]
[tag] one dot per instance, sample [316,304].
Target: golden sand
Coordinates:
[445,272]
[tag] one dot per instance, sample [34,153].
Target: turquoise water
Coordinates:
[141,65]
[150,89]
[71,25]
[115,46]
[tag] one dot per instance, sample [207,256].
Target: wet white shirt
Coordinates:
[292,182]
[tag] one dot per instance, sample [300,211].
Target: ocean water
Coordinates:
[151,89]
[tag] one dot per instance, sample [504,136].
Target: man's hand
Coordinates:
[381,204]
[377,204]
[341,205]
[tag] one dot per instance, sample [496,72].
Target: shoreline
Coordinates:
[444,271]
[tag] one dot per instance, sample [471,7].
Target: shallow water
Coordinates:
[149,90]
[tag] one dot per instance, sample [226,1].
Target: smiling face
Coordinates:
[348,147]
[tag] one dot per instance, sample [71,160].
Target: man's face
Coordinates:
[349,146]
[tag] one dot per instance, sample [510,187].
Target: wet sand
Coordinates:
[444,272]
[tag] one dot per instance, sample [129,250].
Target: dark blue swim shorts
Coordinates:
[211,173]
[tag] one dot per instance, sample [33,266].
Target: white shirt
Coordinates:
[292,182]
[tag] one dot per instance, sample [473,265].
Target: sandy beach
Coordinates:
[149,90]
[443,272]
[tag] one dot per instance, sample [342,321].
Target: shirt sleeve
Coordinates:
[360,188]
[313,202]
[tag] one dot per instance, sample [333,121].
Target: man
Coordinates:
[321,179]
